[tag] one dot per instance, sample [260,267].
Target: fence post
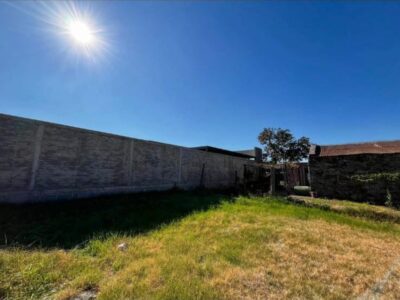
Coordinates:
[272,181]
[245,177]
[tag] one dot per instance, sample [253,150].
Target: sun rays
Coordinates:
[75,26]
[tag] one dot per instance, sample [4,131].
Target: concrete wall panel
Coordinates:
[59,158]
[101,161]
[155,164]
[42,161]
[17,144]
[191,167]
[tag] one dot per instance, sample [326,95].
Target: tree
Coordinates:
[280,146]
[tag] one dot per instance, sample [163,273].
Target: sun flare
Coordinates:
[77,26]
[81,33]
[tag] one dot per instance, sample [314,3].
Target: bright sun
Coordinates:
[76,25]
[81,33]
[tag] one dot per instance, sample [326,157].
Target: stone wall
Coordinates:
[330,176]
[42,161]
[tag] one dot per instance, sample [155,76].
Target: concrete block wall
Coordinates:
[41,161]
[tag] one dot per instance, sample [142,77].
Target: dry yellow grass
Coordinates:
[310,260]
[380,213]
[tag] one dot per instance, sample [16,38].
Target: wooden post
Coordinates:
[303,179]
[272,181]
[245,177]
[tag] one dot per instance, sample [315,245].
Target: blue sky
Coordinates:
[212,73]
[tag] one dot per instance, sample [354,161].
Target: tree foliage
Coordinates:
[282,147]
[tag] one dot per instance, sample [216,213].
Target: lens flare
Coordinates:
[73,24]
[81,33]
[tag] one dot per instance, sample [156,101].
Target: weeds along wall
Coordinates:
[41,161]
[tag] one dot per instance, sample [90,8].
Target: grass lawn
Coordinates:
[193,246]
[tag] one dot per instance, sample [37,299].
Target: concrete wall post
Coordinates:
[36,155]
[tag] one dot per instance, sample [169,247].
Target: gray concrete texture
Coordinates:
[41,161]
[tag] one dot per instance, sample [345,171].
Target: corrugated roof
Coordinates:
[383,147]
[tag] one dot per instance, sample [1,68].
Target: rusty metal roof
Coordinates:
[383,147]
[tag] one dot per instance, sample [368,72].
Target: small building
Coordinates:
[256,153]
[334,170]
[252,154]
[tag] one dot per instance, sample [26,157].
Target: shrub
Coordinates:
[384,179]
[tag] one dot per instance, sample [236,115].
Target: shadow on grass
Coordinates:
[70,224]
